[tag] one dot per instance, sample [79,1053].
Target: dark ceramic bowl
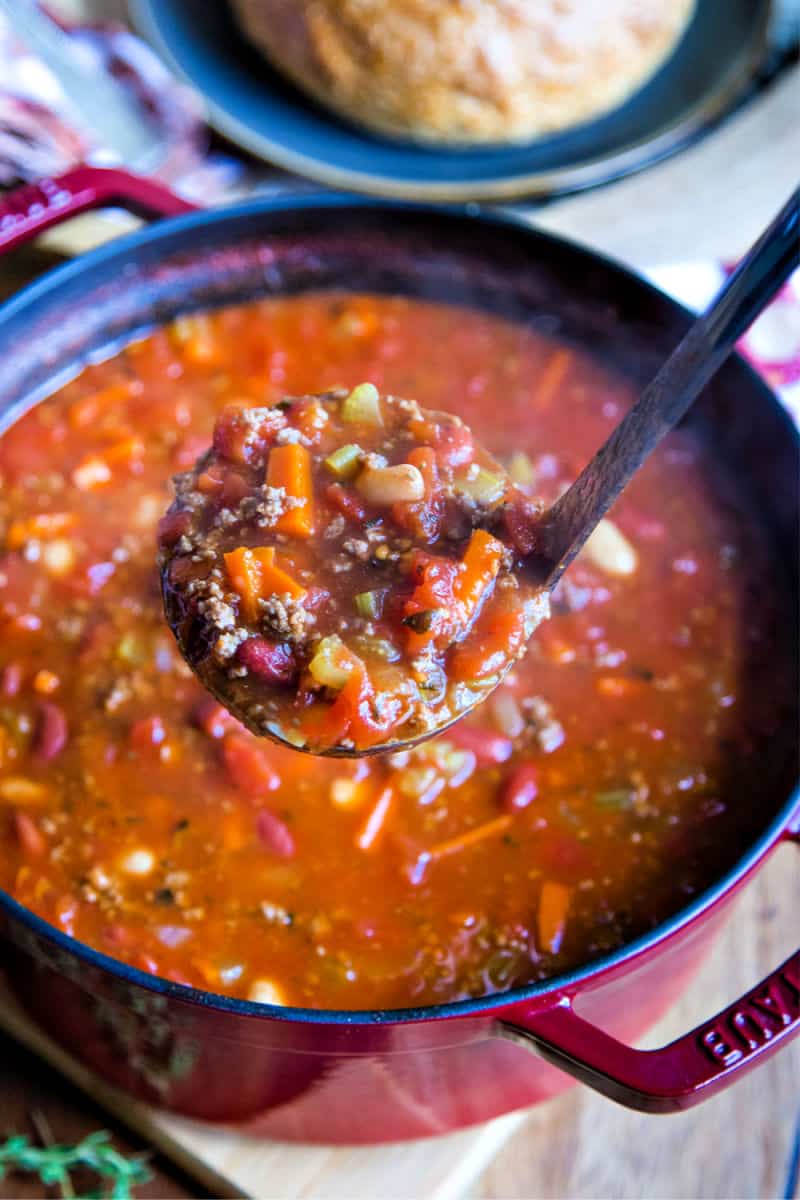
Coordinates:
[711,69]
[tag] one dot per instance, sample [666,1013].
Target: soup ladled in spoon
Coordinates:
[349,573]
[341,570]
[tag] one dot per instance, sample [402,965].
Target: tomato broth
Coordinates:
[612,776]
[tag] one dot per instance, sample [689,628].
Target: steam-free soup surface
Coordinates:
[616,772]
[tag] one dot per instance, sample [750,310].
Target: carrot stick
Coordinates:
[456,844]
[289,467]
[481,564]
[552,378]
[376,820]
[244,572]
[552,915]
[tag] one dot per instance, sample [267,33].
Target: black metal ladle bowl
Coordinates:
[238,1059]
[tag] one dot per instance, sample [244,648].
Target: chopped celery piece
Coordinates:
[520,468]
[363,405]
[370,604]
[331,665]
[131,649]
[485,487]
[376,647]
[345,461]
[620,798]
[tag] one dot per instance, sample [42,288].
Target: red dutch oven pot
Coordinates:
[377,1076]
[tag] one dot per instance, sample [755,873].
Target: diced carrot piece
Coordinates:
[552,378]
[274,580]
[254,574]
[455,845]
[616,686]
[195,337]
[40,526]
[83,412]
[125,452]
[480,566]
[46,682]
[289,467]
[551,917]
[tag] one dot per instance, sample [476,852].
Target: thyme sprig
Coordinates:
[53,1164]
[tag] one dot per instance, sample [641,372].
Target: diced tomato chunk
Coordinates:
[51,733]
[346,501]
[248,766]
[213,718]
[147,734]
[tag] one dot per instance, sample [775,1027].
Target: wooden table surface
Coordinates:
[709,202]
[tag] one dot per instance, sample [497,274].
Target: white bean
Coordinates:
[138,862]
[610,550]
[388,485]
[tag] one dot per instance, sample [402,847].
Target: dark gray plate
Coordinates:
[709,71]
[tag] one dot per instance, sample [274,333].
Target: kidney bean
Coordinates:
[270,661]
[520,789]
[29,835]
[274,834]
[52,732]
[172,527]
[521,519]
[11,679]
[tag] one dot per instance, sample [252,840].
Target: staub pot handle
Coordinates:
[29,210]
[690,1069]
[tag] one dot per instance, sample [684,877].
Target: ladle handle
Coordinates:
[665,400]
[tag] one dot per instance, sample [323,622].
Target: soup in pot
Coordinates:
[612,776]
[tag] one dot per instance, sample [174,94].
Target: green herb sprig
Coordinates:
[53,1164]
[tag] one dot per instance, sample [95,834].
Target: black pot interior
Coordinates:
[213,259]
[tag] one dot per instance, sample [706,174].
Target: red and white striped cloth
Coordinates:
[772,344]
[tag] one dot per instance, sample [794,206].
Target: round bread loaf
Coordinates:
[466,71]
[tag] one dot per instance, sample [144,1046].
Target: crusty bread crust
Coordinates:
[466,71]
